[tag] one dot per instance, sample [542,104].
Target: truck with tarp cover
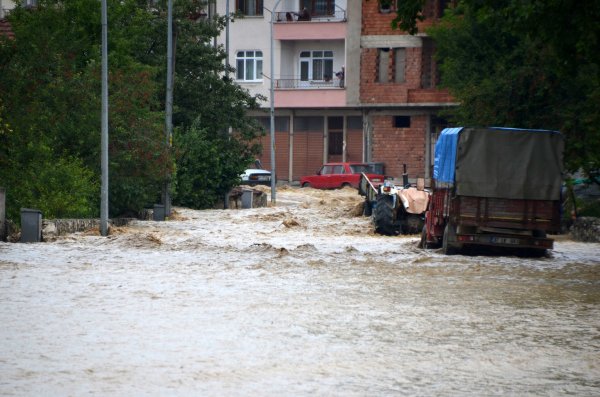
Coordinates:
[495,187]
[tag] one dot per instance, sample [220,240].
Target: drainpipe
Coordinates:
[428,147]
[344,138]
[326,140]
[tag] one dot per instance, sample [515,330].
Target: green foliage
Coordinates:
[60,187]
[408,12]
[50,108]
[205,171]
[512,63]
[208,104]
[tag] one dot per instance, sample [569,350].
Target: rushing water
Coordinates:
[238,303]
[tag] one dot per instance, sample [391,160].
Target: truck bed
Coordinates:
[540,215]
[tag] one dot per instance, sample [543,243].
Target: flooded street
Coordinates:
[300,299]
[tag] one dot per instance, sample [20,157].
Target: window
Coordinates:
[282,123]
[319,7]
[249,65]
[383,64]
[355,123]
[401,121]
[311,123]
[430,76]
[399,64]
[332,169]
[316,65]
[250,7]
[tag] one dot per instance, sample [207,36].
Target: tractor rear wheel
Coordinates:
[384,215]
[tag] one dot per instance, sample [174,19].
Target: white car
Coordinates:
[256,176]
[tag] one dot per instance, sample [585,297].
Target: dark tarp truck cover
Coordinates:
[501,162]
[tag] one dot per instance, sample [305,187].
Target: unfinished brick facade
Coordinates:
[398,146]
[411,93]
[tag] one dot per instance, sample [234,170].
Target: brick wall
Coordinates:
[412,89]
[429,95]
[376,23]
[397,146]
[371,91]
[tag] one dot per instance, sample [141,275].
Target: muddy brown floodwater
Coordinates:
[298,299]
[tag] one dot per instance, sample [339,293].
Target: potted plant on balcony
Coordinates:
[385,6]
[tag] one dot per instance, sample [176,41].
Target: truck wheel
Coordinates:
[449,245]
[384,215]
[306,184]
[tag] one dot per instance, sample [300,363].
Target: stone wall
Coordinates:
[52,228]
[586,229]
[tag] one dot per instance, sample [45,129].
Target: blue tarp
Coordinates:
[445,155]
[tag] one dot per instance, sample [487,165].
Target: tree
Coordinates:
[523,63]
[50,107]
[214,138]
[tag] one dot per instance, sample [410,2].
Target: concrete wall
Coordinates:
[586,229]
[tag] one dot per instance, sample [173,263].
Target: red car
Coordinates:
[336,175]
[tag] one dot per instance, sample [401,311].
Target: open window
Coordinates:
[316,66]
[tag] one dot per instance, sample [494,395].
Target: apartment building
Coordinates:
[346,86]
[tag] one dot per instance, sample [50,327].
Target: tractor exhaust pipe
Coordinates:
[405,177]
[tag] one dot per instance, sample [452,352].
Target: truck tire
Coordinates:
[449,245]
[384,216]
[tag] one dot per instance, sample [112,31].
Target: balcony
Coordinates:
[339,15]
[296,93]
[289,25]
[334,84]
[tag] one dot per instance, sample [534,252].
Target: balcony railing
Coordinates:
[338,15]
[334,83]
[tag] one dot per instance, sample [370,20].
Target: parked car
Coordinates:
[256,176]
[337,175]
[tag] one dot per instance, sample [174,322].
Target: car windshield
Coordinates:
[358,168]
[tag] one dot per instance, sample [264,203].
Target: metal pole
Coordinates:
[227,36]
[169,101]
[104,127]
[272,100]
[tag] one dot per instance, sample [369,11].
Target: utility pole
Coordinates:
[169,103]
[104,127]
[272,111]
